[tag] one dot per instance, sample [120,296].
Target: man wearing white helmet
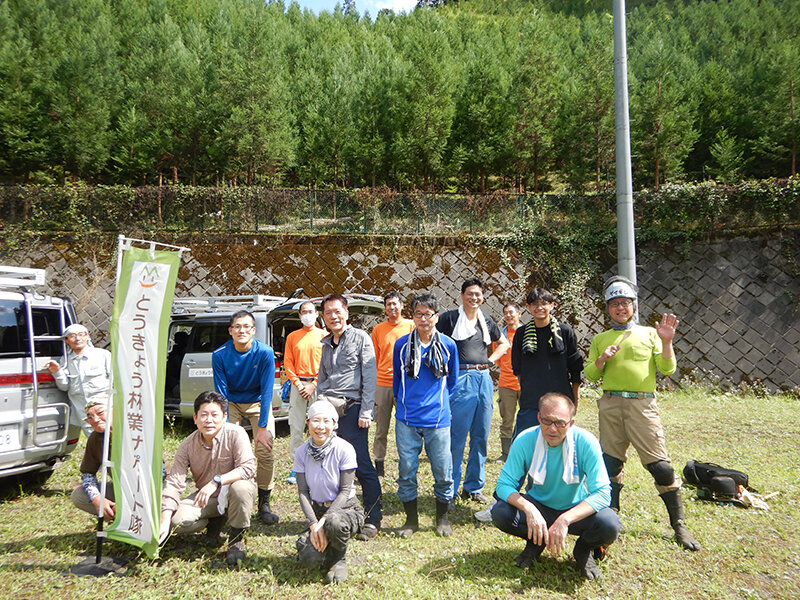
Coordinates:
[626,358]
[84,373]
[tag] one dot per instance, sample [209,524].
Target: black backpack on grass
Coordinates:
[714,482]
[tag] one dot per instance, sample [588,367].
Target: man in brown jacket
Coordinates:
[222,464]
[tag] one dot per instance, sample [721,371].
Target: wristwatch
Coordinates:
[218,480]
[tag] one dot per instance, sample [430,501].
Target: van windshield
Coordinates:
[14,331]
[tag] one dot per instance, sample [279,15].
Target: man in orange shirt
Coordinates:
[301,363]
[508,384]
[384,335]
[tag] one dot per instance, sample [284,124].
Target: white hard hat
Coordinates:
[620,289]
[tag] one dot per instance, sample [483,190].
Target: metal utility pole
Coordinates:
[626,240]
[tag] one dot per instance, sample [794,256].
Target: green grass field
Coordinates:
[746,553]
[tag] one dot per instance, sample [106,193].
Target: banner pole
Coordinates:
[145,283]
[121,243]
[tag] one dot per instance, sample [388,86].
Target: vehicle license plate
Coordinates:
[9,438]
[201,372]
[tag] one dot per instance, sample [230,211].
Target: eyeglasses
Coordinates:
[98,416]
[559,424]
[626,302]
[424,315]
[75,336]
[242,327]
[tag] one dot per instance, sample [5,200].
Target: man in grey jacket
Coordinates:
[347,379]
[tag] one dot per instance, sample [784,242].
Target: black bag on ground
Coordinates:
[714,482]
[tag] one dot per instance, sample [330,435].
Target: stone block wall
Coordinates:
[737,298]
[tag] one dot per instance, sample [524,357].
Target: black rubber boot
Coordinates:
[211,536]
[412,519]
[584,559]
[443,528]
[335,557]
[530,553]
[267,516]
[235,546]
[672,500]
[379,467]
[616,488]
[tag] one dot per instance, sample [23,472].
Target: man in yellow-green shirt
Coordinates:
[626,358]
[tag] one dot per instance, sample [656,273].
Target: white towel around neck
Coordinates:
[465,328]
[538,470]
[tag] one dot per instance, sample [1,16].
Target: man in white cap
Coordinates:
[626,358]
[84,373]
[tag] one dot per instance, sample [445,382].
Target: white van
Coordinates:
[199,326]
[34,414]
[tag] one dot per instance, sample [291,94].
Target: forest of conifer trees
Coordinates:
[475,96]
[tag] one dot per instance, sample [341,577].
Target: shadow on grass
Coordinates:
[84,543]
[282,528]
[20,489]
[282,566]
[18,486]
[557,575]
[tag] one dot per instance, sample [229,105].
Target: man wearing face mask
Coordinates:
[626,358]
[301,363]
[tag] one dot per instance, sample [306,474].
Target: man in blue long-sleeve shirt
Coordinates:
[244,372]
[425,374]
[567,489]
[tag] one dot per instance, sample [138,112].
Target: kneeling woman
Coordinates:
[325,466]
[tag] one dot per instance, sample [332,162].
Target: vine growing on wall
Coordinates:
[562,255]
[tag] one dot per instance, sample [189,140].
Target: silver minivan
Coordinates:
[199,326]
[35,430]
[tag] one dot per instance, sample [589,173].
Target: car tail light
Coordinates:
[72,442]
[26,379]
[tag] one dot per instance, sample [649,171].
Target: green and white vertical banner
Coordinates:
[139,331]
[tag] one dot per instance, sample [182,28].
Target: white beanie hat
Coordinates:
[324,408]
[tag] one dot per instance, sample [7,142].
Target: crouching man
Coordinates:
[567,490]
[87,495]
[222,464]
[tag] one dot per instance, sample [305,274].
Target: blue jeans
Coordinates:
[526,418]
[599,529]
[365,471]
[471,414]
[409,441]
